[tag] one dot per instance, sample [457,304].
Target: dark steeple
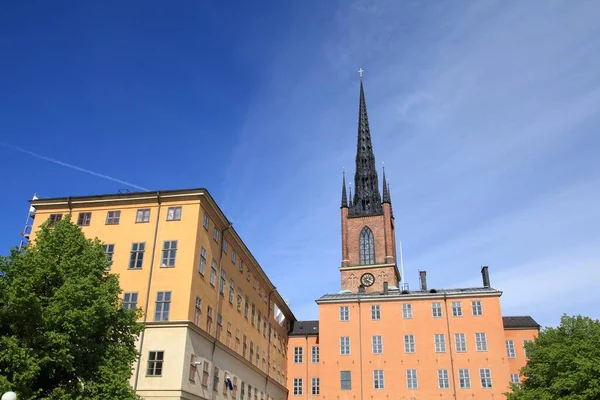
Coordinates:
[367,200]
[344,197]
[386,190]
[350,193]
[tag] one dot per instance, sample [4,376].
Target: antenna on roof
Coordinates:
[404,284]
[124,191]
[28,225]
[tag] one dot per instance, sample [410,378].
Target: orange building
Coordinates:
[212,315]
[378,340]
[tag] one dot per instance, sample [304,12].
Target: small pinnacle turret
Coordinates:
[386,190]
[344,197]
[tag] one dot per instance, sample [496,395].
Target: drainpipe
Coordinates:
[307,381]
[218,287]
[360,363]
[137,372]
[269,341]
[450,343]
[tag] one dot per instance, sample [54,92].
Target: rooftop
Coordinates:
[301,328]
[396,293]
[520,322]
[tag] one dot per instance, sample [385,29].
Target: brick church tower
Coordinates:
[368,237]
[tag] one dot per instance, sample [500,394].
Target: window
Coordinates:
[244,347]
[297,386]
[193,368]
[225,246]
[436,309]
[197,311]
[246,306]
[241,266]
[460,341]
[514,378]
[440,343]
[376,312]
[155,363]
[237,340]
[253,314]
[239,300]
[486,378]
[251,351]
[456,309]
[209,311]
[411,379]
[464,378]
[366,247]
[137,255]
[510,349]
[409,343]
[109,250]
[443,379]
[222,281]
[235,386]
[377,344]
[298,354]
[216,235]
[344,313]
[315,386]
[315,354]
[163,304]
[406,311]
[142,216]
[112,217]
[213,272]
[345,345]
[346,380]
[205,221]
[169,252]
[216,379]
[476,307]
[205,373]
[219,326]
[378,379]
[84,219]
[231,291]
[54,218]
[174,214]
[130,301]
[259,321]
[233,256]
[524,347]
[202,265]
[480,342]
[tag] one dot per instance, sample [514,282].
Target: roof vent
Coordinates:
[361,289]
[385,288]
[485,275]
[423,280]
[433,291]
[405,292]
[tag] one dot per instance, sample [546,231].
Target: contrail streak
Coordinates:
[64,164]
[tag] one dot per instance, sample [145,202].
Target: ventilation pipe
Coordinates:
[485,275]
[423,280]
[385,288]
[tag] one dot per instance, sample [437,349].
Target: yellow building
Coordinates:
[212,315]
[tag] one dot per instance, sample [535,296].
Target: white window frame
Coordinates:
[476,308]
[443,379]
[409,344]
[377,344]
[485,376]
[412,379]
[407,311]
[378,379]
[375,312]
[464,378]
[344,313]
[481,341]
[345,345]
[435,307]
[439,340]
[510,349]
[457,309]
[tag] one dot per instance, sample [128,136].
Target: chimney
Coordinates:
[361,289]
[423,280]
[385,288]
[486,276]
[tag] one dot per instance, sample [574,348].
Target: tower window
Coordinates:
[366,247]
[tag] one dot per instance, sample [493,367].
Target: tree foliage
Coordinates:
[63,331]
[564,363]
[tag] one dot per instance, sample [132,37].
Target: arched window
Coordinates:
[366,247]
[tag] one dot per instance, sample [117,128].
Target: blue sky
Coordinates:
[484,112]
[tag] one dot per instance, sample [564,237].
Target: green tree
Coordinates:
[63,331]
[564,363]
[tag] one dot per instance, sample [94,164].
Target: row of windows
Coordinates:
[221,380]
[407,310]
[439,339]
[138,250]
[412,380]
[114,217]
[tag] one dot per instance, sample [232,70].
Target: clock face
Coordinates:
[367,279]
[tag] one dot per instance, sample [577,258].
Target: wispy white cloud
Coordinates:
[64,164]
[485,114]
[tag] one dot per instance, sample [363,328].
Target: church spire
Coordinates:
[367,199]
[386,190]
[344,197]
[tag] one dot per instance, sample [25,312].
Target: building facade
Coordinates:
[378,340]
[216,327]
